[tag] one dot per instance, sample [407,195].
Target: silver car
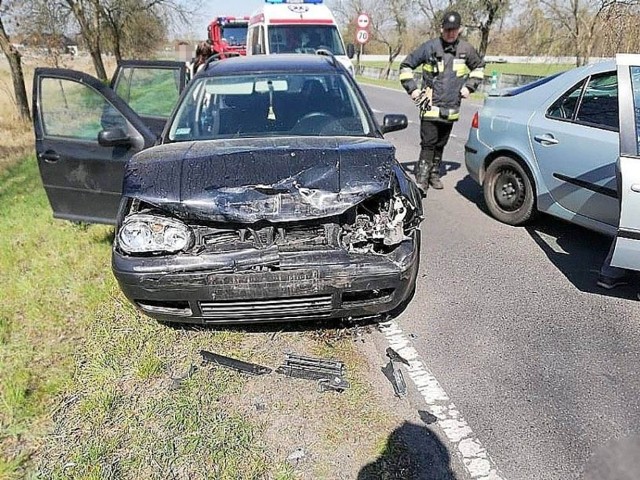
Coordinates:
[559,146]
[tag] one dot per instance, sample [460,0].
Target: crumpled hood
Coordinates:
[249,180]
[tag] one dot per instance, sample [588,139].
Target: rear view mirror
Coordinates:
[394,122]
[351,50]
[114,137]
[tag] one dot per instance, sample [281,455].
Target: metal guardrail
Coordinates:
[502,80]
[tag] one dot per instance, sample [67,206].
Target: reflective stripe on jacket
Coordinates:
[446,68]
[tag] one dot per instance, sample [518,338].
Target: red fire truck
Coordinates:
[228,36]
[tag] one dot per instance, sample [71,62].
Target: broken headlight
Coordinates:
[147,233]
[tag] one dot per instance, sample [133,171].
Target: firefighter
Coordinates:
[451,70]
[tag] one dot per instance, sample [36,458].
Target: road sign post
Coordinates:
[362,33]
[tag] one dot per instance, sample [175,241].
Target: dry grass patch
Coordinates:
[89,386]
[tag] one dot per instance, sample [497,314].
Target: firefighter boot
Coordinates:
[423,168]
[434,172]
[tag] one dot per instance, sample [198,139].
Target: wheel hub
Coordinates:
[509,190]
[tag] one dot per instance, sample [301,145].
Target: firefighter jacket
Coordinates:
[446,68]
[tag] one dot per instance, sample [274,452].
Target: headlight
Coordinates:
[148,233]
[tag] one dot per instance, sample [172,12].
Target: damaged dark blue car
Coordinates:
[269,195]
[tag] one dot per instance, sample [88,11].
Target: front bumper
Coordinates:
[208,288]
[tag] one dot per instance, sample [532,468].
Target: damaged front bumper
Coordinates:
[220,288]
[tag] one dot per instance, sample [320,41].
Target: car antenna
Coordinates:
[327,53]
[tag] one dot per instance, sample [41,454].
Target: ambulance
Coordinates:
[302,26]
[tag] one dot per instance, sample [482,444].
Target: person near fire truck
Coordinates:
[451,70]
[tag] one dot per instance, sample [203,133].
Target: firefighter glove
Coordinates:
[423,100]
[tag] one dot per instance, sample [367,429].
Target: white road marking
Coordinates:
[475,458]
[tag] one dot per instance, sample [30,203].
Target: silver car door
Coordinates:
[575,142]
[627,243]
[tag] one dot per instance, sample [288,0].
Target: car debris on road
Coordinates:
[329,374]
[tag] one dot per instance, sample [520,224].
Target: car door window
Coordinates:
[150,92]
[565,107]
[599,104]
[74,110]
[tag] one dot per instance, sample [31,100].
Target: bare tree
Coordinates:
[388,22]
[581,20]
[137,26]
[87,14]
[483,15]
[15,62]
[43,22]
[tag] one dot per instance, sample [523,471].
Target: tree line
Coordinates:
[135,28]
[577,28]
[126,28]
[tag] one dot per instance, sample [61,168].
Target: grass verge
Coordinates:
[92,389]
[537,69]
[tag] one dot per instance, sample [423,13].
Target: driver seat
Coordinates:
[314,95]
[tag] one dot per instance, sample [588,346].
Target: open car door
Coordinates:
[84,135]
[627,246]
[151,88]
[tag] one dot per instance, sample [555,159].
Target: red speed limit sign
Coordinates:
[363,21]
[362,36]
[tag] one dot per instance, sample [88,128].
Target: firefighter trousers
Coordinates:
[434,135]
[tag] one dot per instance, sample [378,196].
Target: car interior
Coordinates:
[317,107]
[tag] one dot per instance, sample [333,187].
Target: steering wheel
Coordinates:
[312,122]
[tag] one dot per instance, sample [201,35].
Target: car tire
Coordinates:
[508,191]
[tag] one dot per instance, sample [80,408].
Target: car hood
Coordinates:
[274,179]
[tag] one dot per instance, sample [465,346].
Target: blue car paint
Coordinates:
[505,129]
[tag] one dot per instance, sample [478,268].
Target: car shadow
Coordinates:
[445,167]
[411,452]
[470,190]
[578,253]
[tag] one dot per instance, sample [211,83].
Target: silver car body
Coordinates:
[564,132]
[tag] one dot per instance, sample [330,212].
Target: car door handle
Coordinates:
[546,139]
[50,156]
[635,187]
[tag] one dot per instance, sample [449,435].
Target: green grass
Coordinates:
[152,92]
[71,345]
[87,387]
[538,69]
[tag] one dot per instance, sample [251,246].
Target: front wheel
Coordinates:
[508,191]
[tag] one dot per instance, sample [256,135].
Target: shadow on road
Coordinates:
[577,252]
[412,452]
[470,190]
[445,167]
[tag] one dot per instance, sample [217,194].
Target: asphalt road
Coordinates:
[542,364]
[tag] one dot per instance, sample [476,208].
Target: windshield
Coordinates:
[270,105]
[235,35]
[304,39]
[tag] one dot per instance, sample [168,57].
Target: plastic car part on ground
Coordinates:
[393,374]
[234,364]
[329,374]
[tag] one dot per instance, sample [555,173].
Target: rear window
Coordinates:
[529,86]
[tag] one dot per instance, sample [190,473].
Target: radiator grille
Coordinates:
[277,308]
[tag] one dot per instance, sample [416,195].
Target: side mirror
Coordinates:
[351,50]
[394,122]
[114,137]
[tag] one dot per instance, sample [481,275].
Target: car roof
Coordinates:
[290,63]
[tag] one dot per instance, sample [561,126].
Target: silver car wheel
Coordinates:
[508,191]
